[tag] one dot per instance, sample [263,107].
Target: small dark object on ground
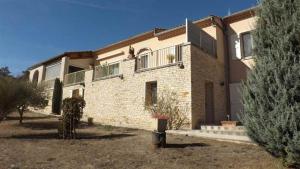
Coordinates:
[159,139]
[90,121]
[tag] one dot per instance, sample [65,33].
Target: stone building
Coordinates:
[203,61]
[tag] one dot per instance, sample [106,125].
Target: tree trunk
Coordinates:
[21,110]
[21,118]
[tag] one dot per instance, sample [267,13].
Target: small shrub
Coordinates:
[72,113]
[168,106]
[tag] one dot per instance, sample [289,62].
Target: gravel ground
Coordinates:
[35,145]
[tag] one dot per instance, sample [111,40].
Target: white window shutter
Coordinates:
[235,47]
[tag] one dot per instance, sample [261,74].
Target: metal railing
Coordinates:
[161,57]
[107,70]
[74,78]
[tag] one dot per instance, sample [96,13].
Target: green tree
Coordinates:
[57,97]
[29,95]
[4,72]
[271,94]
[8,95]
[18,95]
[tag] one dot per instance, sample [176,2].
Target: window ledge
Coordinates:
[109,77]
[74,84]
[179,64]
[247,58]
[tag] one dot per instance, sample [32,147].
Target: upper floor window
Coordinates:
[144,61]
[107,69]
[113,69]
[246,44]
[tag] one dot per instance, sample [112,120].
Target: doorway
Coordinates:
[209,103]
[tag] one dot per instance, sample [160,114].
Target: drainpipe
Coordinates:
[227,70]
[226,66]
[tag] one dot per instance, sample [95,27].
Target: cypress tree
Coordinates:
[271,94]
[57,97]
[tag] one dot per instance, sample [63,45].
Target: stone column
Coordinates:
[89,76]
[64,67]
[41,74]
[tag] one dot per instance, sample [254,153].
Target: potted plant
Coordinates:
[170,58]
[159,122]
[228,122]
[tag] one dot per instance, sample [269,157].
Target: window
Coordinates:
[107,69]
[151,93]
[75,93]
[113,69]
[246,44]
[52,71]
[144,61]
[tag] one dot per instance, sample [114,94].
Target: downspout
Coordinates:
[227,70]
[226,66]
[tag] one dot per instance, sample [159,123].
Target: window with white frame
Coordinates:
[246,44]
[144,60]
[113,69]
[52,71]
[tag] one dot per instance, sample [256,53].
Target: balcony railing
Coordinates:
[107,70]
[74,78]
[161,57]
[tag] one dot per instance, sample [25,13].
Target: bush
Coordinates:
[168,105]
[18,95]
[57,97]
[72,113]
[271,94]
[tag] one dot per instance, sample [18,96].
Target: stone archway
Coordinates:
[144,50]
[35,78]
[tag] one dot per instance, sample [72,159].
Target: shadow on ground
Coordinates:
[41,125]
[186,145]
[80,136]
[27,118]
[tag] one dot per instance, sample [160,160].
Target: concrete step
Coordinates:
[218,135]
[222,128]
[224,132]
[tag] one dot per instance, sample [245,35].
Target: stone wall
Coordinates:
[120,101]
[206,68]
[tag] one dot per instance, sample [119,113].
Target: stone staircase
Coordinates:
[236,134]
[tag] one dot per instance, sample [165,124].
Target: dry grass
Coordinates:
[35,145]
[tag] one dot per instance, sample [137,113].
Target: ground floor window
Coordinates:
[151,93]
[77,93]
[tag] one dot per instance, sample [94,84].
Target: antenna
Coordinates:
[228,12]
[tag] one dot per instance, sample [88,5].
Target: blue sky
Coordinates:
[34,30]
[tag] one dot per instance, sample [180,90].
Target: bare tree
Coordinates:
[169,105]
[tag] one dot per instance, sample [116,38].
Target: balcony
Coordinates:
[160,58]
[106,71]
[74,78]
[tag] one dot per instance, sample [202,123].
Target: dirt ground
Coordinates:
[35,144]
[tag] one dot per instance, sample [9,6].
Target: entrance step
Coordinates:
[222,128]
[216,132]
[237,130]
